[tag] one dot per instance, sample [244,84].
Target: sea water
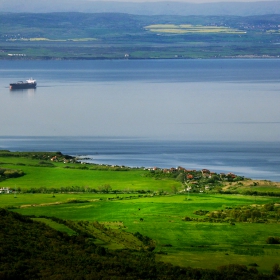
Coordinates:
[257,160]
[217,114]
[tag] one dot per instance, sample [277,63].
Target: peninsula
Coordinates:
[126,36]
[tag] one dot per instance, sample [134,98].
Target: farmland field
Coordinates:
[188,28]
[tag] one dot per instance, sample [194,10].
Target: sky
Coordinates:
[151,1]
[187,1]
[146,7]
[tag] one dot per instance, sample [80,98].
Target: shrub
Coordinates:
[200,212]
[273,240]
[276,269]
[10,173]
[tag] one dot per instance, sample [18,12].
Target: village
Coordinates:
[196,174]
[195,180]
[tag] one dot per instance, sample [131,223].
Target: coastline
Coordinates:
[256,160]
[245,57]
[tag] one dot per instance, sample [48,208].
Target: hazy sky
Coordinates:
[146,7]
[150,1]
[187,1]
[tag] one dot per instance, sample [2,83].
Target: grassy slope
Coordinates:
[56,226]
[194,244]
[59,176]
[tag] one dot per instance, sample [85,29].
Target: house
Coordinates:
[5,190]
[54,158]
[189,176]
[180,168]
[205,173]
[231,175]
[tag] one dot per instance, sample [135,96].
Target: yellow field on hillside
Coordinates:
[188,28]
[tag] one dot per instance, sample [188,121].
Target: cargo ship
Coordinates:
[30,83]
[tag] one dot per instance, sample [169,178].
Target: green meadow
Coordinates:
[157,212]
[195,244]
[41,173]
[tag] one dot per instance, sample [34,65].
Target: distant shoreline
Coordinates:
[144,58]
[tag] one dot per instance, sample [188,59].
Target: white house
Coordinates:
[5,190]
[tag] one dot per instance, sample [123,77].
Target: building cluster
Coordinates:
[194,174]
[5,190]
[64,160]
[16,54]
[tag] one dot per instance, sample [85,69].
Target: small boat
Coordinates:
[30,83]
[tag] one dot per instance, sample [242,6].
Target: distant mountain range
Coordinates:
[145,8]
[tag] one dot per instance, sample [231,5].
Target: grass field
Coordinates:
[158,214]
[57,176]
[194,244]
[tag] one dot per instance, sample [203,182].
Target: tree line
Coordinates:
[267,213]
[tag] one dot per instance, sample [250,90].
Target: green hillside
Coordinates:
[162,224]
[32,250]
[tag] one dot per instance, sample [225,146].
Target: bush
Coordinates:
[200,212]
[276,269]
[10,173]
[269,207]
[273,240]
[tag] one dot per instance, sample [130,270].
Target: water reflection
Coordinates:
[30,92]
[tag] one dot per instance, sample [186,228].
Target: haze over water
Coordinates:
[188,100]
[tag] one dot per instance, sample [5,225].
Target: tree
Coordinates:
[273,240]
[105,188]
[174,189]
[180,177]
[276,269]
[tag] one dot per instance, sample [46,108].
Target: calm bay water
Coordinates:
[258,160]
[218,114]
[209,100]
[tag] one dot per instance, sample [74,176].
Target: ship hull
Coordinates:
[22,85]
